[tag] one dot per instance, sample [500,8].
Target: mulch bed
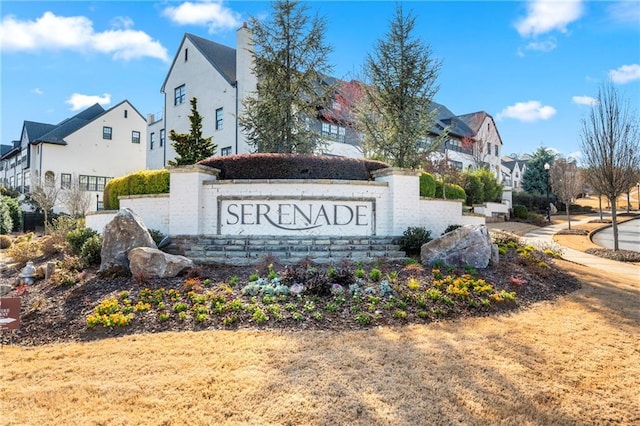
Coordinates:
[58,314]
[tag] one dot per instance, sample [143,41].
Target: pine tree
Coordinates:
[290,62]
[535,179]
[396,114]
[191,147]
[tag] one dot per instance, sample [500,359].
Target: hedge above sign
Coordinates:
[291,216]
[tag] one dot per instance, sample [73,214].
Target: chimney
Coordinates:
[151,118]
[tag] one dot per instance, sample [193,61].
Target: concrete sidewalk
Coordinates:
[545,235]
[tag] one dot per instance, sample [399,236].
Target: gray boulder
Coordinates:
[469,245]
[125,232]
[153,262]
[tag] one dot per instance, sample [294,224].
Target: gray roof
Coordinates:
[444,117]
[222,58]
[36,130]
[70,125]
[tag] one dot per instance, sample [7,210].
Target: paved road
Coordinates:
[545,235]
[628,236]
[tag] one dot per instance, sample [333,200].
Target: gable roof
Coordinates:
[475,119]
[57,134]
[221,57]
[445,118]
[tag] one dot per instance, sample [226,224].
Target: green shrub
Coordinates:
[90,251]
[138,183]
[78,237]
[15,211]
[452,191]
[6,223]
[5,241]
[520,212]
[156,235]
[451,228]
[413,239]
[427,185]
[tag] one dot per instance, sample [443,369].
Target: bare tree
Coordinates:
[566,182]
[611,147]
[45,196]
[75,200]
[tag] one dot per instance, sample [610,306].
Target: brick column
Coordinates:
[402,207]
[186,207]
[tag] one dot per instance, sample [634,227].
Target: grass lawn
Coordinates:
[572,361]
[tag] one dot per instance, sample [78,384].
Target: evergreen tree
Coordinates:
[535,179]
[397,114]
[191,147]
[290,61]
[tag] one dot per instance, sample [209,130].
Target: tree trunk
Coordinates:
[614,223]
[568,215]
[628,201]
[600,205]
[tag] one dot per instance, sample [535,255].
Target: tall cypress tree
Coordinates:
[290,62]
[396,113]
[192,147]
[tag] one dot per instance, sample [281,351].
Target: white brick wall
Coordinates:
[193,206]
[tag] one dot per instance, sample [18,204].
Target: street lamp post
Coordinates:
[638,186]
[546,168]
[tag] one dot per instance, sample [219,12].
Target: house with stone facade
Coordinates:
[86,149]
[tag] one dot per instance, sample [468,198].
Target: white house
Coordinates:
[89,149]
[512,171]
[221,77]
[487,144]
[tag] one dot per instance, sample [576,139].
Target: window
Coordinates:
[135,137]
[161,137]
[495,147]
[219,116]
[186,55]
[125,113]
[65,180]
[488,148]
[179,95]
[92,183]
[152,139]
[225,151]
[106,132]
[333,131]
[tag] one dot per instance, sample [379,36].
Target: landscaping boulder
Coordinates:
[153,262]
[125,232]
[469,245]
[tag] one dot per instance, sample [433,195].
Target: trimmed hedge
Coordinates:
[427,185]
[520,211]
[138,183]
[292,166]
[452,191]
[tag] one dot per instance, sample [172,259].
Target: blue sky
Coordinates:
[534,66]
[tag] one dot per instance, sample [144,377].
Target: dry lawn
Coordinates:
[573,361]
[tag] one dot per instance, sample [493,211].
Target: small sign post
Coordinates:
[9,313]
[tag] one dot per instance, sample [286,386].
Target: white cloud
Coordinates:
[529,111]
[542,46]
[584,100]
[626,12]
[544,16]
[37,91]
[625,74]
[212,14]
[79,101]
[51,32]
[123,22]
